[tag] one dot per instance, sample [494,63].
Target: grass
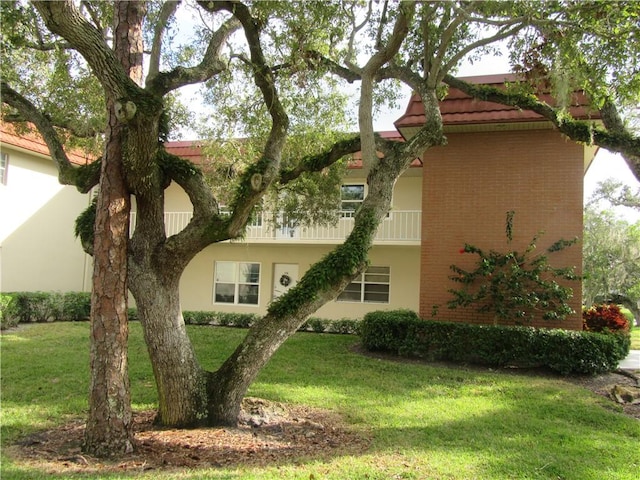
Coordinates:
[426,422]
[635,338]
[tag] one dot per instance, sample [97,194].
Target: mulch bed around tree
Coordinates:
[269,433]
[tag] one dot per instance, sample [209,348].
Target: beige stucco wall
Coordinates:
[37,214]
[196,287]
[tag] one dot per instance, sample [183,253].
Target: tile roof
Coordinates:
[189,149]
[458,108]
[33,142]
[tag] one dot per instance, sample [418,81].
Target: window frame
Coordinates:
[4,167]
[361,283]
[351,213]
[236,282]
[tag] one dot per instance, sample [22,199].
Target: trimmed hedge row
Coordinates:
[403,333]
[27,307]
[246,320]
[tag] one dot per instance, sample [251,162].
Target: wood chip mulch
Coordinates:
[269,433]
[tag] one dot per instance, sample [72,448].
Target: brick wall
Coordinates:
[472,182]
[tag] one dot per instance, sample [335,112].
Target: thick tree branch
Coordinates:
[211,64]
[614,124]
[168,8]
[616,139]
[64,19]
[316,163]
[84,177]
[257,178]
[369,72]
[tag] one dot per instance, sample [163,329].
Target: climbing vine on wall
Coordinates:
[514,286]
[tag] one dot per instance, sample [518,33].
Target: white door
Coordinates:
[285,276]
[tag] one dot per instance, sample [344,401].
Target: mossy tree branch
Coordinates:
[85,177]
[614,138]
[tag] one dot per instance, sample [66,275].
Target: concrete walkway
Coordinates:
[632,362]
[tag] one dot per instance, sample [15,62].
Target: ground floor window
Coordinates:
[237,283]
[370,287]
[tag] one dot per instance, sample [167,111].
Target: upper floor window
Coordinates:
[351,197]
[371,286]
[4,167]
[237,283]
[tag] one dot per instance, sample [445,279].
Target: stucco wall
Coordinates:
[196,286]
[39,250]
[472,182]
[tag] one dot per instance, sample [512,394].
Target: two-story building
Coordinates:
[497,159]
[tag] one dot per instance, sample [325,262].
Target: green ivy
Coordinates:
[85,222]
[513,286]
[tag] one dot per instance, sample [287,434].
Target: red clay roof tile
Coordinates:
[460,109]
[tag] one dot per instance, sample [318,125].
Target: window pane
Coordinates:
[378,270]
[349,296]
[4,166]
[248,294]
[376,293]
[225,293]
[352,293]
[249,273]
[226,272]
[352,192]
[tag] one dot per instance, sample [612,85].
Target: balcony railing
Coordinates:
[400,226]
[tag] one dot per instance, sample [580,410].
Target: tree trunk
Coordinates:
[180,381]
[108,430]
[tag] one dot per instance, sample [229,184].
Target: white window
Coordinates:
[370,287]
[351,197]
[236,283]
[4,167]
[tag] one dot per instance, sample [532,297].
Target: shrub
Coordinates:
[345,326]
[36,306]
[8,317]
[563,351]
[316,324]
[601,318]
[76,306]
[224,319]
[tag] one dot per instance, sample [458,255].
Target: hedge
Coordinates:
[27,307]
[403,333]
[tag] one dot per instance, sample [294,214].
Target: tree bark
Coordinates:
[108,431]
[180,380]
[109,426]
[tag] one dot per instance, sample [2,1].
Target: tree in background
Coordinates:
[293,54]
[611,260]
[617,194]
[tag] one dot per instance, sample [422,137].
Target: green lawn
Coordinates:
[426,422]
[635,338]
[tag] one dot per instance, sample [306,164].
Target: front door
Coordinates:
[285,276]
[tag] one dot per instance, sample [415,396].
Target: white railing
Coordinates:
[399,226]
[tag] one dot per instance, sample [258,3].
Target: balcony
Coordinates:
[400,227]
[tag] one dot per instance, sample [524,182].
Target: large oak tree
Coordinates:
[96,49]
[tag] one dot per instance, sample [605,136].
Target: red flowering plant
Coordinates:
[604,318]
[514,286]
